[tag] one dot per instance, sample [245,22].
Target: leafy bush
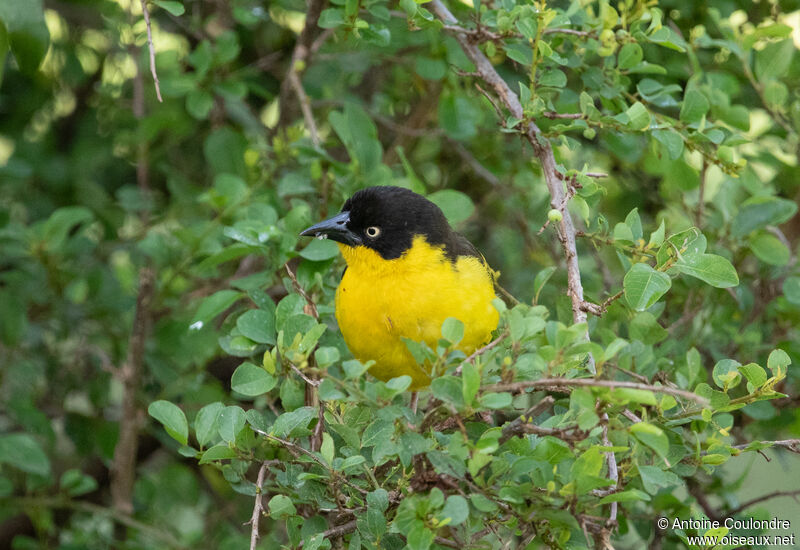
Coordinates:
[632,171]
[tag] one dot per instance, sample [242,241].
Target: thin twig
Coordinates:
[542,149]
[611,461]
[305,105]
[311,307]
[152,49]
[258,507]
[548,383]
[123,468]
[514,427]
[554,115]
[337,531]
[792,445]
[762,498]
[480,351]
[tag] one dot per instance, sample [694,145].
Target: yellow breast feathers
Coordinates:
[379,302]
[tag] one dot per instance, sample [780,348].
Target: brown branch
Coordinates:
[310,307]
[152,49]
[258,506]
[762,498]
[792,445]
[123,467]
[541,147]
[337,531]
[303,49]
[611,461]
[515,427]
[551,383]
[554,115]
[480,351]
[600,309]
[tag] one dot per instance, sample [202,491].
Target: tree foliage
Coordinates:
[171,362]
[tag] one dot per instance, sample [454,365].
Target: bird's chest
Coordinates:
[379,301]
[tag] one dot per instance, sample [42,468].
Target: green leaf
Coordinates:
[709,268]
[625,496]
[455,509]
[26,32]
[456,206]
[218,452]
[327,448]
[280,506]
[231,421]
[495,400]
[452,330]
[791,289]
[695,106]
[213,305]
[639,117]
[76,483]
[769,249]
[778,361]
[754,374]
[419,537]
[652,436]
[331,18]
[629,56]
[172,418]
[774,60]
[644,286]
[205,423]
[22,451]
[175,8]
[654,478]
[645,328]
[359,135]
[258,325]
[759,212]
[251,380]
[319,250]
[470,382]
[291,423]
[726,374]
[657,236]
[540,280]
[199,103]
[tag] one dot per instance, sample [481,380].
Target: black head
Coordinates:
[386,219]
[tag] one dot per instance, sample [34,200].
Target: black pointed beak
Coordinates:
[334,228]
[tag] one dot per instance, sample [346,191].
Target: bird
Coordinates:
[407,272]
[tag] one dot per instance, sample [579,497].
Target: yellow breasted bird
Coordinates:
[407,271]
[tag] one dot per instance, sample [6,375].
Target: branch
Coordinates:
[152,49]
[541,147]
[338,531]
[480,351]
[515,427]
[258,507]
[762,498]
[549,383]
[611,461]
[123,467]
[792,445]
[303,49]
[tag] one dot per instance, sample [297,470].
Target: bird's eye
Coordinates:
[373,231]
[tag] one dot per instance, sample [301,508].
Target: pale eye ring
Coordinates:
[373,231]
